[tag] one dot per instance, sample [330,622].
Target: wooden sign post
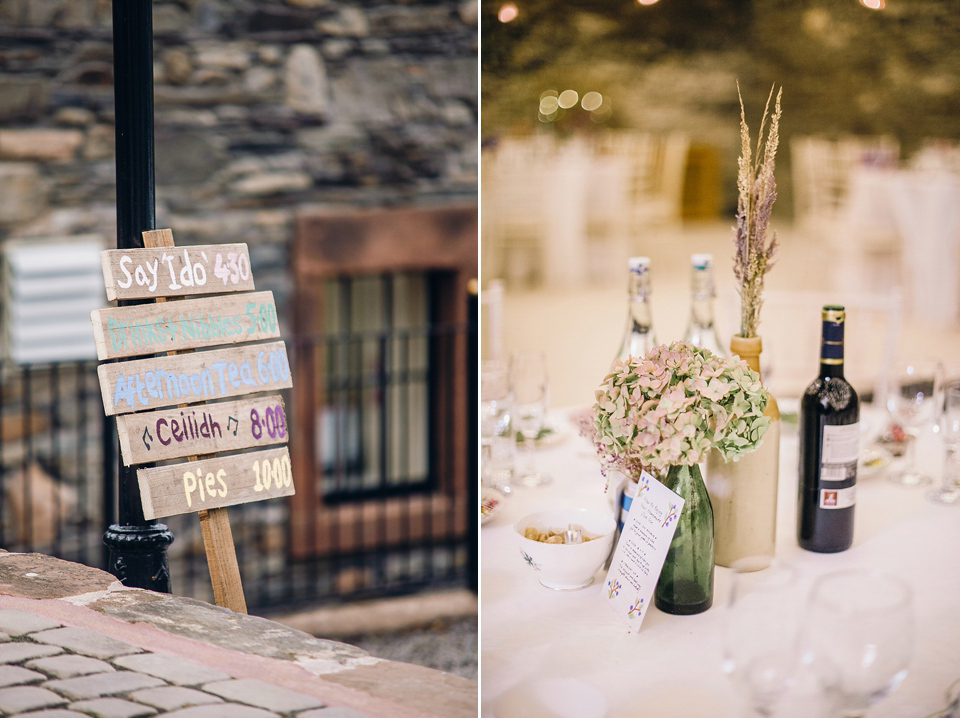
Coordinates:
[157,400]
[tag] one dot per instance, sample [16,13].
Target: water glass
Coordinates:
[760,631]
[910,401]
[528,378]
[949,425]
[497,443]
[857,637]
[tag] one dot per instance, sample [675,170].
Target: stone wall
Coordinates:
[675,65]
[261,106]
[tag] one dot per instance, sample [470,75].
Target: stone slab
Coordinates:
[18,652]
[263,695]
[113,708]
[69,666]
[169,698]
[84,642]
[20,623]
[221,710]
[27,698]
[16,676]
[333,712]
[33,575]
[59,713]
[249,634]
[171,669]
[102,684]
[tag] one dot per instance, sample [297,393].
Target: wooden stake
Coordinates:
[215,524]
[222,559]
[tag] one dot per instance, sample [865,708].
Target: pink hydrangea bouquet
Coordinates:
[673,405]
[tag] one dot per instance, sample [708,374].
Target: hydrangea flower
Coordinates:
[673,405]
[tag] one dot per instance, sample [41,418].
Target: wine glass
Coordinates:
[910,401]
[529,381]
[497,443]
[857,637]
[949,424]
[760,631]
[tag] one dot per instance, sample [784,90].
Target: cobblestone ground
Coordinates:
[447,645]
[51,671]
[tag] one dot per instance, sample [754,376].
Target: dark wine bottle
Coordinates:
[829,446]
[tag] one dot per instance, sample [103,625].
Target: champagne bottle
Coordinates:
[701,331]
[829,446]
[638,336]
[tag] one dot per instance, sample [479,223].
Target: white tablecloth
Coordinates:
[547,653]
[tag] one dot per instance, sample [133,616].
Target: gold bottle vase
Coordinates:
[744,492]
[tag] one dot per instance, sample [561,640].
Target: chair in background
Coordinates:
[655,170]
[491,321]
[839,199]
[791,330]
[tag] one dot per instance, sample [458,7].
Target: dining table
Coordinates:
[565,654]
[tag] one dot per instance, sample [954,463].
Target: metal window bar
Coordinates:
[78,447]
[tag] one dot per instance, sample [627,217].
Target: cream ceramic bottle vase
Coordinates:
[744,492]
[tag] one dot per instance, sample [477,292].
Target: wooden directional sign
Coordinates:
[190,378]
[160,399]
[215,483]
[188,324]
[205,429]
[176,271]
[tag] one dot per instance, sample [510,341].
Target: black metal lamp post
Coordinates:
[137,547]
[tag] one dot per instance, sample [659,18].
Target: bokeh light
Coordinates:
[568,98]
[508,12]
[874,4]
[591,101]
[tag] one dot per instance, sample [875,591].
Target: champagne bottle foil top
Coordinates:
[833,332]
[834,314]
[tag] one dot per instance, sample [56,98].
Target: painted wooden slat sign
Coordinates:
[203,429]
[215,483]
[176,271]
[188,324]
[143,384]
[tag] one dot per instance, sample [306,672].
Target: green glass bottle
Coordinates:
[686,581]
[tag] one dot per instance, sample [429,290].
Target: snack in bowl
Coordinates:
[562,565]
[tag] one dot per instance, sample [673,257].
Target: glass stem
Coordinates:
[530,449]
[951,469]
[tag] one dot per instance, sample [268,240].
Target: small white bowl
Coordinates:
[567,567]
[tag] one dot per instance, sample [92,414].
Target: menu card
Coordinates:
[647,532]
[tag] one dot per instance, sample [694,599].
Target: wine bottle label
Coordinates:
[841,447]
[838,498]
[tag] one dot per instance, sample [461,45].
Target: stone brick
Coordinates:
[263,695]
[333,712]
[69,666]
[113,708]
[169,698]
[100,142]
[172,669]
[20,623]
[22,98]
[58,713]
[221,710]
[102,684]
[15,676]
[23,192]
[269,183]
[17,652]
[26,698]
[86,643]
[41,144]
[305,79]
